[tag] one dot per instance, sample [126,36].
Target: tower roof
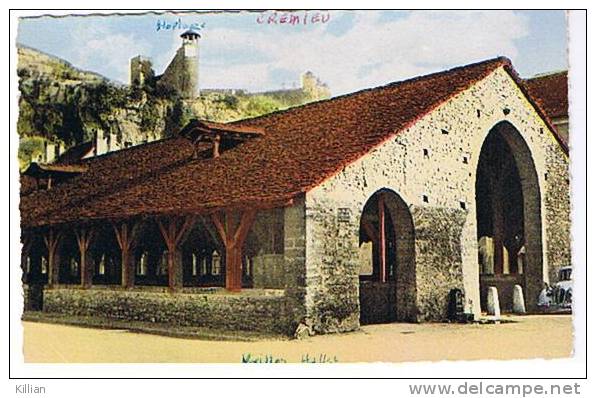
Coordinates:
[190,34]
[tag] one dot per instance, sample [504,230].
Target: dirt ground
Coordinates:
[536,336]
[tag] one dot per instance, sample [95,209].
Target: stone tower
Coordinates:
[182,74]
[312,86]
[141,71]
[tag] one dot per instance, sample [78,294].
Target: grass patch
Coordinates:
[186,332]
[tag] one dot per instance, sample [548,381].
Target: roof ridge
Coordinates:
[130,148]
[546,75]
[281,164]
[500,60]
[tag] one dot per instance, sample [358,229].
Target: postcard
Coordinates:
[295,186]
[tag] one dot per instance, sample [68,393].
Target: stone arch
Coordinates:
[508,216]
[387,288]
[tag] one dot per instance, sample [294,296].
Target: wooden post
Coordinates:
[52,241]
[370,230]
[84,237]
[382,243]
[27,240]
[498,234]
[233,240]
[126,237]
[174,231]
[216,141]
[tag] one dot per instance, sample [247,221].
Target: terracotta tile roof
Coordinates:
[30,177]
[550,91]
[225,127]
[36,168]
[77,152]
[299,148]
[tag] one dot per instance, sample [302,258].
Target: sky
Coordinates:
[348,50]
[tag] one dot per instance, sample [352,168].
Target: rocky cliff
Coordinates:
[61,103]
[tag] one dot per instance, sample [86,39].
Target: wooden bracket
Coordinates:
[233,238]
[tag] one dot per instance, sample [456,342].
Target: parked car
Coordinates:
[563,288]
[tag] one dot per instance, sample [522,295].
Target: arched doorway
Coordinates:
[386,257]
[509,228]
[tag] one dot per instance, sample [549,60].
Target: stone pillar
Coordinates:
[439,266]
[519,305]
[492,303]
[295,262]
[405,258]
[332,299]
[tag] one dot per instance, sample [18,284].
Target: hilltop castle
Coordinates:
[177,89]
[181,75]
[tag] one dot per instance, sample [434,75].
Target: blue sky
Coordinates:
[349,50]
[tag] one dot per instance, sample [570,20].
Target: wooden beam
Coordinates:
[185,229]
[84,237]
[27,240]
[174,231]
[233,238]
[52,240]
[213,234]
[382,243]
[369,229]
[218,223]
[216,141]
[126,236]
[498,236]
[246,221]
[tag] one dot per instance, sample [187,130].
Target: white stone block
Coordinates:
[519,305]
[492,303]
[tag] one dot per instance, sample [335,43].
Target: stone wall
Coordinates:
[432,167]
[268,271]
[558,210]
[253,310]
[332,265]
[295,261]
[438,259]
[265,244]
[377,302]
[182,74]
[32,297]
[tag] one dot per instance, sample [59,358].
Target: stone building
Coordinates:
[141,71]
[313,86]
[181,75]
[364,208]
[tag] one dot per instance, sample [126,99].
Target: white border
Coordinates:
[535,368]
